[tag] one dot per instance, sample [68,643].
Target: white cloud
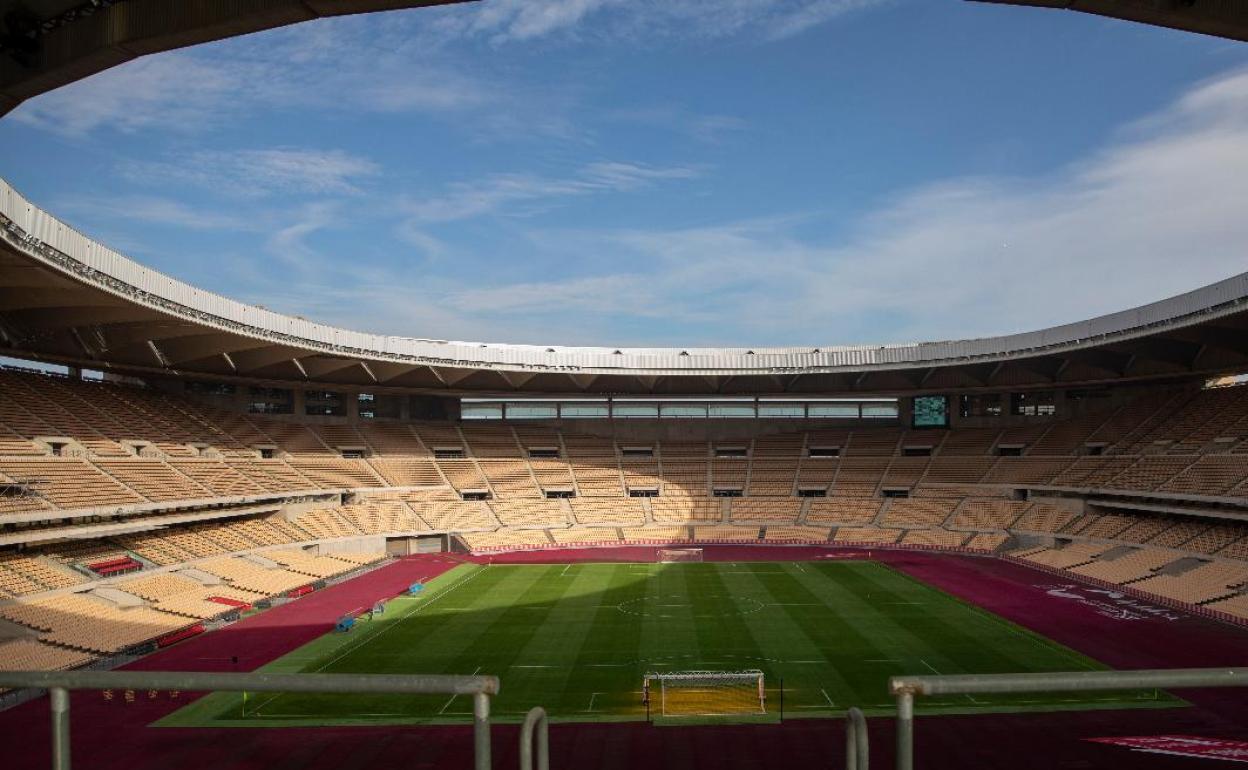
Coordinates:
[259,172]
[502,21]
[1157,212]
[326,65]
[495,193]
[152,210]
[170,92]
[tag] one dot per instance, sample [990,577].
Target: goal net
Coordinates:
[705,693]
[680,554]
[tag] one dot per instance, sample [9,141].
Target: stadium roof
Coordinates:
[1222,18]
[68,299]
[49,43]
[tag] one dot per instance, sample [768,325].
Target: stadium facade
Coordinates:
[1088,482]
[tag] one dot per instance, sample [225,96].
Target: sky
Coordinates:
[666,172]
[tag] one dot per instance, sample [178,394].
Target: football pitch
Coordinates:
[579,638]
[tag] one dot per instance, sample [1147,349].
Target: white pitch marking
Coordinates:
[930,667]
[451,699]
[565,569]
[827,697]
[591,700]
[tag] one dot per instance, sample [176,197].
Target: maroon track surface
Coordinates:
[113,734]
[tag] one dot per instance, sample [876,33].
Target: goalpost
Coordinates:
[705,693]
[667,555]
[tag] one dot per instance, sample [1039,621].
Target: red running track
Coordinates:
[109,735]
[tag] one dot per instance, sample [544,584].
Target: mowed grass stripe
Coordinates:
[454,634]
[778,628]
[916,629]
[849,631]
[542,667]
[577,640]
[606,673]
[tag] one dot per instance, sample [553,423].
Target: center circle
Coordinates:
[677,605]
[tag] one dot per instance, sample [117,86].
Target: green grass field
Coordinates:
[578,638]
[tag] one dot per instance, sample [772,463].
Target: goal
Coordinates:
[705,693]
[679,554]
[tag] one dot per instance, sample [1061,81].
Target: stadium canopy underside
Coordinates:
[1221,18]
[45,44]
[67,299]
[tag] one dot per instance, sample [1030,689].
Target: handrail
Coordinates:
[857,746]
[536,718]
[59,683]
[907,687]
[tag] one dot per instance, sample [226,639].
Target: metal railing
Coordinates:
[59,683]
[535,720]
[857,747]
[907,687]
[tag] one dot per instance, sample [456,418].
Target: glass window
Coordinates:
[532,411]
[685,411]
[833,410]
[797,410]
[879,411]
[635,410]
[732,410]
[481,411]
[580,410]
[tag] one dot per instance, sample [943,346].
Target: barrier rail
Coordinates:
[59,683]
[535,719]
[907,687]
[857,746]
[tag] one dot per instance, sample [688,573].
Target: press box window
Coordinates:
[544,453]
[643,493]
[812,493]
[448,453]
[823,452]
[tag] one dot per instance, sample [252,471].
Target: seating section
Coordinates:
[27,654]
[1071,555]
[1208,582]
[803,534]
[842,511]
[769,511]
[624,511]
[171,481]
[675,510]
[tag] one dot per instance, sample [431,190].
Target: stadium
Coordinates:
[234,538]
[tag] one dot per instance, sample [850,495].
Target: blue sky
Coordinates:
[667,172]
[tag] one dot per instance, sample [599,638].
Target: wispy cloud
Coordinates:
[1155,212]
[709,128]
[152,210]
[322,66]
[504,21]
[259,172]
[501,192]
[171,92]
